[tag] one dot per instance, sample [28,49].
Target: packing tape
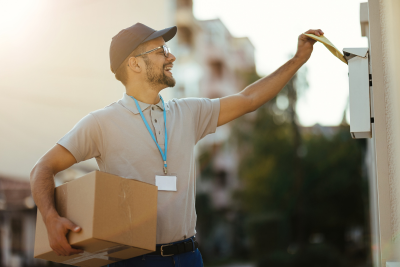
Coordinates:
[125,207]
[101,254]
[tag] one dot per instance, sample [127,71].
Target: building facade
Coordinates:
[17,224]
[212,63]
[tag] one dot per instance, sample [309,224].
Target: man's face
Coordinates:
[158,67]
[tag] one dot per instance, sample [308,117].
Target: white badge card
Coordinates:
[166,183]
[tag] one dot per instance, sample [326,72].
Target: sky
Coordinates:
[274,26]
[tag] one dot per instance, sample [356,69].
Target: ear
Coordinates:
[134,64]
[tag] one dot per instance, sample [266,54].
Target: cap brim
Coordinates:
[167,34]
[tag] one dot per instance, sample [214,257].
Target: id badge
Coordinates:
[166,182]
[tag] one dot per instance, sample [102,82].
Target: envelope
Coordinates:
[322,39]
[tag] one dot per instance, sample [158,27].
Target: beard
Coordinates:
[157,77]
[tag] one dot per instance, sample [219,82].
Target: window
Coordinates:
[185,36]
[217,69]
[185,3]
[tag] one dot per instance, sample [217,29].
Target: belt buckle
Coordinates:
[162,252]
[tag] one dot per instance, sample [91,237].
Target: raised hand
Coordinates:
[305,45]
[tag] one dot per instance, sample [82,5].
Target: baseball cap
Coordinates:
[128,39]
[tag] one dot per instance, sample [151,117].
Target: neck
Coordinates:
[146,95]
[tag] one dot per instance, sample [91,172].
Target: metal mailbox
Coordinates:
[359,86]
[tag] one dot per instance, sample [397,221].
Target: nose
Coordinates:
[171,57]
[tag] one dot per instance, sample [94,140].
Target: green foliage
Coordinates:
[294,188]
[208,216]
[303,190]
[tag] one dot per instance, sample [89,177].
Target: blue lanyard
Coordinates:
[163,155]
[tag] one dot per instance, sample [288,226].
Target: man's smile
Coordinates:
[168,68]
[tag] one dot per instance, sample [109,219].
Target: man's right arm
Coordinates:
[42,185]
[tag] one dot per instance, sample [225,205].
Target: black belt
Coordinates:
[173,249]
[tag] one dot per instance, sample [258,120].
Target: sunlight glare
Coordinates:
[14,14]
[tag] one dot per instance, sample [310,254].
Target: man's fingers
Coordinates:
[318,32]
[75,251]
[312,41]
[73,227]
[58,249]
[65,246]
[305,38]
[63,242]
[57,229]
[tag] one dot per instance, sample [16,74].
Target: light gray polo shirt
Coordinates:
[119,140]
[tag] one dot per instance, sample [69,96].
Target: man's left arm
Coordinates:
[263,90]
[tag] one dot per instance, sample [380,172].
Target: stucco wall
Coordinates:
[390,25]
[384,20]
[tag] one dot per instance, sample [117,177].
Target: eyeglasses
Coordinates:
[166,49]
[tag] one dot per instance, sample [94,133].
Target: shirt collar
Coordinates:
[130,104]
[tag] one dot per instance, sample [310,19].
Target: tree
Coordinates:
[303,189]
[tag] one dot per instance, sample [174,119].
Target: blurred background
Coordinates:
[282,186]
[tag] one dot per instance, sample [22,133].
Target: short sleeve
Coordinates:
[84,140]
[205,114]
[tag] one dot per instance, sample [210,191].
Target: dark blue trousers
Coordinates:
[189,259]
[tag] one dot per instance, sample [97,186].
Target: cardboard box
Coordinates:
[118,218]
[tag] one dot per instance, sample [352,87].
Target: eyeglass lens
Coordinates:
[167,50]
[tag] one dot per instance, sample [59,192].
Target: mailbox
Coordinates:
[359,86]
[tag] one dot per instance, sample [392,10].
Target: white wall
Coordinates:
[384,23]
[390,25]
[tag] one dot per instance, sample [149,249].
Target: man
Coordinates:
[141,137]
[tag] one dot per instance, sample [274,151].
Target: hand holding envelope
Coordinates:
[322,39]
[305,45]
